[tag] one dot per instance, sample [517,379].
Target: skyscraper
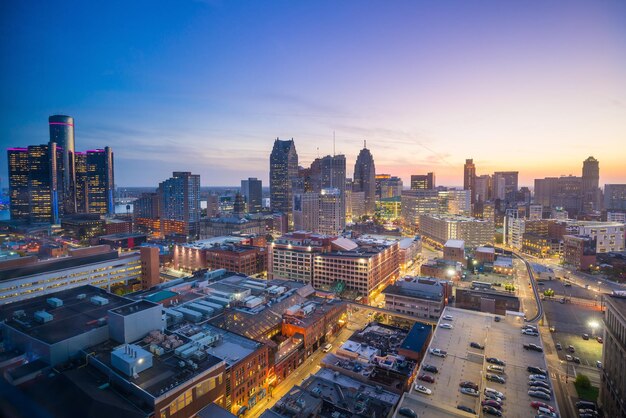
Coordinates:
[43,172]
[333,176]
[18,182]
[423,181]
[62,133]
[505,182]
[252,191]
[180,204]
[365,179]
[283,172]
[469,178]
[590,183]
[332,216]
[100,181]
[306,211]
[80,164]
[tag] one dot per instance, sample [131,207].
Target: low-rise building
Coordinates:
[441,228]
[485,255]
[486,300]
[613,385]
[454,250]
[579,251]
[420,297]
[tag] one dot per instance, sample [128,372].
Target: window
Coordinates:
[181,402]
[205,386]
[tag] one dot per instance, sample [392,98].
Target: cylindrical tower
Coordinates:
[62,133]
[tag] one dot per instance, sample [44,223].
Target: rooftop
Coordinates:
[489,250]
[502,340]
[76,316]
[455,243]
[133,307]
[208,243]
[421,289]
[416,338]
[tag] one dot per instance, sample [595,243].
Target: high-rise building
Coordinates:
[469,177]
[333,176]
[62,133]
[332,216]
[283,172]
[509,181]
[306,212]
[365,178]
[390,187]
[100,181]
[483,186]
[82,183]
[180,204]
[252,191]
[560,192]
[423,181]
[18,182]
[613,385]
[590,183]
[43,172]
[615,196]
[379,180]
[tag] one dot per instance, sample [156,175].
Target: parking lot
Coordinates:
[502,340]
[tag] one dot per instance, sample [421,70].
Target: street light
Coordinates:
[594,325]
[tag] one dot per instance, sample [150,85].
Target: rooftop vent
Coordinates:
[54,302]
[99,300]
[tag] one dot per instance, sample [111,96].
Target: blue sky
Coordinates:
[205,86]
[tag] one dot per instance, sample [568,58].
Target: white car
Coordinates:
[495,392]
[537,377]
[423,389]
[438,352]
[448,317]
[446,326]
[470,391]
[569,358]
[530,332]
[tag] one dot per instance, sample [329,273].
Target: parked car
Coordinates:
[470,391]
[495,378]
[466,409]
[496,369]
[530,332]
[569,358]
[577,360]
[559,346]
[448,317]
[538,394]
[490,410]
[494,360]
[423,389]
[537,377]
[539,404]
[430,368]
[489,402]
[585,337]
[533,347]
[540,389]
[492,397]
[426,378]
[599,339]
[536,370]
[407,412]
[438,352]
[598,364]
[496,318]
[446,326]
[571,348]
[477,345]
[586,405]
[539,383]
[494,392]
[468,384]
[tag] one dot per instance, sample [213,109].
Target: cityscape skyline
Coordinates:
[535,76]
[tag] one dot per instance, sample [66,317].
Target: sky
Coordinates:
[206,86]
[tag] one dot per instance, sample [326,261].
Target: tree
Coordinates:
[548,293]
[582,381]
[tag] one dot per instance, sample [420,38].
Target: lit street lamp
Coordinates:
[593,325]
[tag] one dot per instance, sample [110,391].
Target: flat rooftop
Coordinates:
[502,340]
[455,243]
[165,373]
[134,307]
[75,317]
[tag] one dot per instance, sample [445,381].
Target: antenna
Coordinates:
[365,143]
[333,143]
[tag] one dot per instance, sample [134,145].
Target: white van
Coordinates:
[327,348]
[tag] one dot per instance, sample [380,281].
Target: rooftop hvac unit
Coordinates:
[42,317]
[81,296]
[54,302]
[99,300]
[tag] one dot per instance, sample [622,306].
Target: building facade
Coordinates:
[180,204]
[613,386]
[252,191]
[283,172]
[365,178]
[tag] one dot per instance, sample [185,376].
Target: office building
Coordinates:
[180,204]
[306,211]
[615,196]
[454,250]
[440,228]
[62,133]
[609,235]
[332,218]
[579,251]
[389,209]
[365,178]
[469,178]
[483,186]
[423,181]
[43,172]
[422,201]
[590,183]
[389,187]
[420,297]
[560,192]
[283,172]
[82,181]
[355,207]
[252,191]
[613,385]
[290,257]
[506,184]
[100,266]
[18,183]
[100,182]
